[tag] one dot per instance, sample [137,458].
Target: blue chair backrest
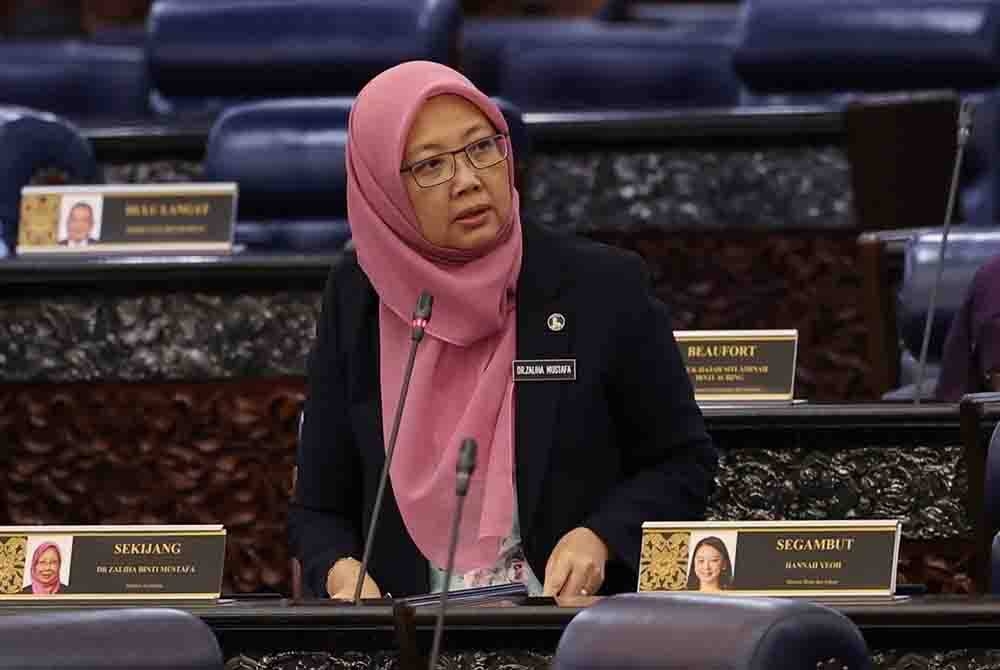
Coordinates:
[76,79]
[288,155]
[669,630]
[619,66]
[30,141]
[258,49]
[109,639]
[967,251]
[869,45]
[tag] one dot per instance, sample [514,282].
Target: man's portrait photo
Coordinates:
[80,220]
[47,568]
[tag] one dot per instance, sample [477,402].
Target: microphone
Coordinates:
[421,315]
[466,466]
[965,114]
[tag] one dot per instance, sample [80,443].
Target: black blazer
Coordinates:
[622,444]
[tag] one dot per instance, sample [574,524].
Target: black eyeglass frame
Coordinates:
[503,141]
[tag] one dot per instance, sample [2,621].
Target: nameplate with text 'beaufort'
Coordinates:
[740,365]
[42,563]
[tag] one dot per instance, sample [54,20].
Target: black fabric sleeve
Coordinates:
[325,511]
[667,457]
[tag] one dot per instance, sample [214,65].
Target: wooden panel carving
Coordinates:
[163,453]
[808,281]
[223,452]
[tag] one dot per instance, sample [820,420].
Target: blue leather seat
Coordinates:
[31,141]
[621,66]
[703,632]
[588,64]
[115,639]
[75,79]
[869,45]
[207,53]
[288,158]
[484,42]
[967,251]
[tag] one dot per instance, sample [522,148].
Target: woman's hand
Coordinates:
[342,578]
[576,565]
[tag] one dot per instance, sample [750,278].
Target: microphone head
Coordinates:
[424,304]
[467,456]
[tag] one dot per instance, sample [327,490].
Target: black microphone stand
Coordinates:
[965,114]
[466,466]
[421,315]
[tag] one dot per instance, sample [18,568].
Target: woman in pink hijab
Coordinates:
[46,562]
[549,351]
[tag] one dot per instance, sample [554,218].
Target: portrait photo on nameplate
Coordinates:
[740,365]
[111,562]
[134,219]
[771,558]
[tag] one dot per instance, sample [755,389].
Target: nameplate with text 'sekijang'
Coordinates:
[40,563]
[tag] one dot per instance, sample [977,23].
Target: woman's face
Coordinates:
[468,210]
[47,567]
[708,566]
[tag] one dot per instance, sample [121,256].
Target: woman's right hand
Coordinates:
[342,578]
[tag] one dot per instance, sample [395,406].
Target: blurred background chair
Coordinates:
[31,141]
[114,639]
[76,79]
[868,45]
[288,158]
[967,251]
[703,632]
[206,54]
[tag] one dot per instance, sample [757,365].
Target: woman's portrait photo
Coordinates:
[47,572]
[711,567]
[80,220]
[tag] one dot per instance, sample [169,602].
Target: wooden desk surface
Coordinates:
[262,626]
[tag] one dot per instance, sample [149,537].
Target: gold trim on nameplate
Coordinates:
[116,248]
[758,374]
[807,559]
[151,190]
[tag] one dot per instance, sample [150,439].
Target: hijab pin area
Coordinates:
[556,322]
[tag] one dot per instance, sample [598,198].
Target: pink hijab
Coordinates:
[37,585]
[461,385]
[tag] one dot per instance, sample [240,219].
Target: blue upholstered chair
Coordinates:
[703,632]
[117,639]
[31,141]
[586,64]
[626,68]
[869,45]
[288,158]
[810,50]
[967,251]
[206,53]
[75,79]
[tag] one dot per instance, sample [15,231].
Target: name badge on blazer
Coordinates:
[545,370]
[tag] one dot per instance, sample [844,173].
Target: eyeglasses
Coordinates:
[438,169]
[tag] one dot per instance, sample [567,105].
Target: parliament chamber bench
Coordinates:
[181,381]
[181,378]
[914,633]
[748,216]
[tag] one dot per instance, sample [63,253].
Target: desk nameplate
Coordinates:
[44,563]
[771,558]
[740,365]
[106,220]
